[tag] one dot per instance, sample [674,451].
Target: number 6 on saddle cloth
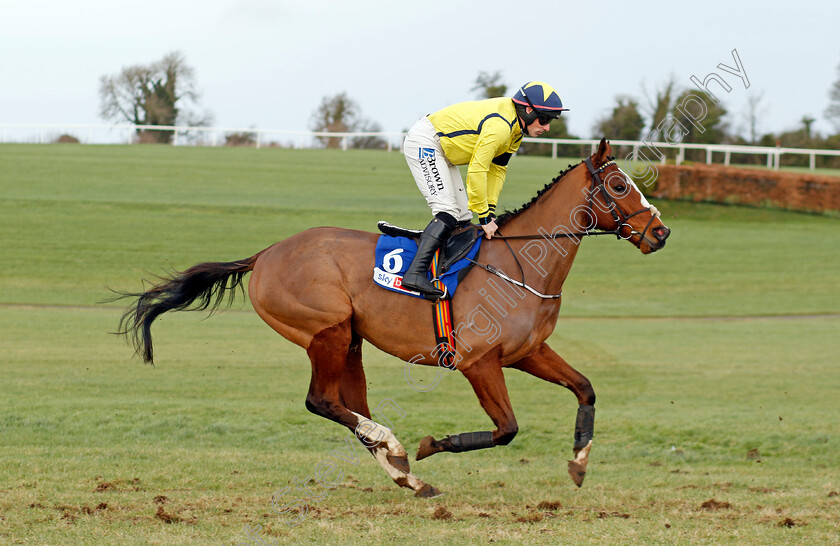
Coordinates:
[397,246]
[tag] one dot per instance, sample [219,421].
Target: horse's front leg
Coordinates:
[548,365]
[488,382]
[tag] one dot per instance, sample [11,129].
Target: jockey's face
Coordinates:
[536,128]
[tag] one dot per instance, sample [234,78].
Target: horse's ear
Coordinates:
[603,152]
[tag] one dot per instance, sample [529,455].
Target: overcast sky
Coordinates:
[268,63]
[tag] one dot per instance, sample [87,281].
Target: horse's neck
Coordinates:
[553,213]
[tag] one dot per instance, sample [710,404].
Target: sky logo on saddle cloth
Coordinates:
[394,255]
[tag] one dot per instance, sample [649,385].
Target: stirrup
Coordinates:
[431,297]
[426,294]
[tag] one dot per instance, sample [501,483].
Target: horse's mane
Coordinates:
[508,215]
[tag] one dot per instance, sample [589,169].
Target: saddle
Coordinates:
[463,243]
[456,247]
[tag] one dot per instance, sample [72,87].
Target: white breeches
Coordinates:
[439,180]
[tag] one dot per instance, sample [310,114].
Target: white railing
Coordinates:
[181,135]
[215,136]
[645,150]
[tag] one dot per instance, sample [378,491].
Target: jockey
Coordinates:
[482,134]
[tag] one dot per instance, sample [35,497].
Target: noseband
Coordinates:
[616,213]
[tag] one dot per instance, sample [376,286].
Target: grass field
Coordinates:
[715,364]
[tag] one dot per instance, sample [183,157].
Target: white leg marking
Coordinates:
[372,433]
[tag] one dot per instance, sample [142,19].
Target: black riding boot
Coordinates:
[432,239]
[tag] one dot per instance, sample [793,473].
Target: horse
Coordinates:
[315,289]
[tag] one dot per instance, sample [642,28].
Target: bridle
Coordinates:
[617,214]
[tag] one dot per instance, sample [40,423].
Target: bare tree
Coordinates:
[755,110]
[156,94]
[336,114]
[341,114]
[660,104]
[490,85]
[369,141]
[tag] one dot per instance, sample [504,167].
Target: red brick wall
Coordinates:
[796,191]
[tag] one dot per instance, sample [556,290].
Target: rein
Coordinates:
[617,214]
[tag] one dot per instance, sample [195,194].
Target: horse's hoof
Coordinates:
[577,467]
[427,492]
[577,471]
[426,448]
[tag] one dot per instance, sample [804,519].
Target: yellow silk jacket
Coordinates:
[482,134]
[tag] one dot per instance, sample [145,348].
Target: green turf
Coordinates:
[714,361]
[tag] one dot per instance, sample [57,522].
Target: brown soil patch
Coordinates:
[104,486]
[530,518]
[161,499]
[166,518]
[441,512]
[549,505]
[833,493]
[713,504]
[602,515]
[787,522]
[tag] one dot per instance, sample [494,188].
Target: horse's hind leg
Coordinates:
[548,365]
[353,387]
[488,382]
[338,392]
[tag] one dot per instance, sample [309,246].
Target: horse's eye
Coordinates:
[620,188]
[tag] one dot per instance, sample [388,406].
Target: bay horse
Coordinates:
[316,290]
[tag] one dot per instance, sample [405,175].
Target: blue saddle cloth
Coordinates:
[394,255]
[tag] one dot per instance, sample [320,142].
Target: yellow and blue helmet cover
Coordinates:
[541,97]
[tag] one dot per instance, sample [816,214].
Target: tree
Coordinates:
[624,123]
[807,121]
[489,85]
[368,142]
[754,112]
[341,114]
[833,110]
[661,103]
[701,116]
[154,94]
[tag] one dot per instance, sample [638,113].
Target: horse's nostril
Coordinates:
[661,233]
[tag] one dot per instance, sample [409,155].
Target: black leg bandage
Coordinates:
[584,426]
[469,441]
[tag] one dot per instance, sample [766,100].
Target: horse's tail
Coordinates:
[199,288]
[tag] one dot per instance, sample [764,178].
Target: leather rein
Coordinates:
[617,214]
